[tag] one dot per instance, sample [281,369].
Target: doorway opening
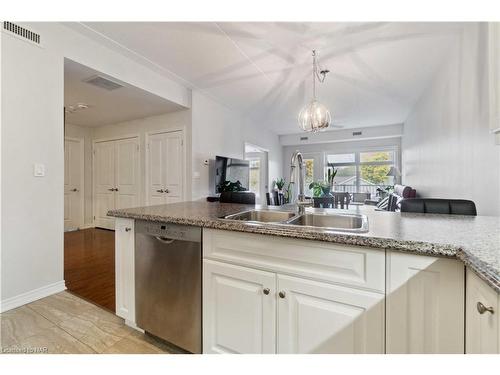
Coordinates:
[112,161]
[259,171]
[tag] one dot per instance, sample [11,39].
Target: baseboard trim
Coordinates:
[87,226]
[33,295]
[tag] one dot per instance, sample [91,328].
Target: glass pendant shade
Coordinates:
[314,117]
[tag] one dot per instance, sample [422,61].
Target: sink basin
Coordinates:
[338,222]
[263,216]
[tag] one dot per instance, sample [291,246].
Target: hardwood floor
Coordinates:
[89,265]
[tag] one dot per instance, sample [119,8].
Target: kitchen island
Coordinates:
[397,288]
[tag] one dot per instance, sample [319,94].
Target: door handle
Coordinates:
[166,191]
[116,189]
[482,309]
[165,240]
[111,189]
[75,189]
[160,191]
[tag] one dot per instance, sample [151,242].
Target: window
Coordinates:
[362,172]
[309,164]
[255,176]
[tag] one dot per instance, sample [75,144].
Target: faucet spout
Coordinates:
[297,159]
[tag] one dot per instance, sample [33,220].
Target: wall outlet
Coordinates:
[39,170]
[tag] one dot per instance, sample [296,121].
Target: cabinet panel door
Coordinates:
[237,316]
[425,304]
[482,330]
[124,269]
[315,317]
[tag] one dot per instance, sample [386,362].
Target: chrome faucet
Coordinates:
[302,202]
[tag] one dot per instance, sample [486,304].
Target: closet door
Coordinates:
[73,182]
[126,173]
[165,168]
[157,155]
[104,183]
[174,167]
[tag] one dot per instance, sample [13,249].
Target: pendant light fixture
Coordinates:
[315,116]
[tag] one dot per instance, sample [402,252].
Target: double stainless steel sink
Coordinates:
[326,221]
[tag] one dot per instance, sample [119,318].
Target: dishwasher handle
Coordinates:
[165,240]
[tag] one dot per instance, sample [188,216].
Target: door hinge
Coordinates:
[94,217]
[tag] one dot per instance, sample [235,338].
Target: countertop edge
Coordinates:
[409,246]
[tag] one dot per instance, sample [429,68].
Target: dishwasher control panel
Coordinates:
[168,230]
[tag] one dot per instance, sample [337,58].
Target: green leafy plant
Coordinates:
[319,187]
[280,183]
[331,173]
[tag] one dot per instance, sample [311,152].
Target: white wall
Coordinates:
[217,130]
[32,131]
[448,151]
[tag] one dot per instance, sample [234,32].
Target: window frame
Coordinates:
[396,162]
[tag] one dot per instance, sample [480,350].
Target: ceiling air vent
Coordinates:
[357,133]
[21,32]
[103,83]
[304,138]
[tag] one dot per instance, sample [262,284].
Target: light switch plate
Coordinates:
[39,170]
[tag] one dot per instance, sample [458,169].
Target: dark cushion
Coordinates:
[413,205]
[243,197]
[439,206]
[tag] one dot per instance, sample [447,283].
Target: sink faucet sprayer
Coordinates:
[302,202]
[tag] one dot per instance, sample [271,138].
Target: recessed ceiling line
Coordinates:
[242,52]
[187,83]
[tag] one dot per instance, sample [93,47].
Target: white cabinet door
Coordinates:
[316,317]
[73,182]
[124,269]
[425,304]
[126,171]
[165,168]
[238,315]
[482,327]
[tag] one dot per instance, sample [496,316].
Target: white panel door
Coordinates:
[104,183]
[239,309]
[424,305]
[174,167]
[73,175]
[482,326]
[156,164]
[165,168]
[316,317]
[126,171]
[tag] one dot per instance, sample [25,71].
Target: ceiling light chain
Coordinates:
[315,116]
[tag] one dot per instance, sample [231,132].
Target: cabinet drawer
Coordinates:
[348,265]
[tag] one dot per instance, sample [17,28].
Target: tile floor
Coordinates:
[65,323]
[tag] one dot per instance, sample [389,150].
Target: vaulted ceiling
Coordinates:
[378,70]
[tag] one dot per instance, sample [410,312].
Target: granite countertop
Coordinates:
[473,239]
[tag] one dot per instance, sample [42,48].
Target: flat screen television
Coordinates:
[232,170]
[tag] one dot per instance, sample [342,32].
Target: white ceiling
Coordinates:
[107,107]
[378,70]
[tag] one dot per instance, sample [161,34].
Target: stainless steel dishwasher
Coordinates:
[168,282]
